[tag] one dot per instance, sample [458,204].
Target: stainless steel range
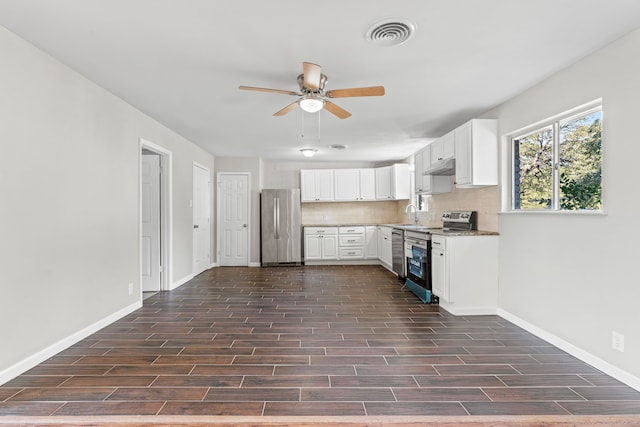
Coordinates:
[417,244]
[459,221]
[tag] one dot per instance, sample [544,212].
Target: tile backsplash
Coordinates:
[483,200]
[331,213]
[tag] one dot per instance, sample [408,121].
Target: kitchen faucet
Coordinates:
[415,212]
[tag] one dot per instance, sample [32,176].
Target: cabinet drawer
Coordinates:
[320,230]
[438,242]
[351,253]
[351,230]
[351,240]
[385,231]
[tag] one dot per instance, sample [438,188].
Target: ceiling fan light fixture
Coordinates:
[311,103]
[308,152]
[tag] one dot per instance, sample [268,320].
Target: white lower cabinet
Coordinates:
[371,242]
[384,247]
[320,243]
[351,242]
[465,273]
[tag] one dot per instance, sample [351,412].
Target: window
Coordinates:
[558,164]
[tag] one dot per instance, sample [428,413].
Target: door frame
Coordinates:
[166,218]
[218,215]
[210,189]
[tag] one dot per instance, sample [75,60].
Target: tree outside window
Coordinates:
[559,166]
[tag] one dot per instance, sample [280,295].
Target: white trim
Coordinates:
[44,354]
[181,282]
[581,354]
[254,264]
[166,220]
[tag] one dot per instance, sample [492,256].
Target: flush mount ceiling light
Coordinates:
[390,32]
[311,103]
[308,152]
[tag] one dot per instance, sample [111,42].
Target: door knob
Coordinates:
[244,225]
[195,226]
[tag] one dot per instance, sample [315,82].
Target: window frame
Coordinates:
[554,123]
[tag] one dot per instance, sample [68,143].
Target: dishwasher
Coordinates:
[398,260]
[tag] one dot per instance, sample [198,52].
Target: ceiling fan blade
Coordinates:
[262,89]
[286,109]
[336,111]
[312,75]
[356,91]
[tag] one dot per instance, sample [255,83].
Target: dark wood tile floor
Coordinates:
[310,341]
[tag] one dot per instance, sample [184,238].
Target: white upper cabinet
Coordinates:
[367,184]
[443,148]
[476,153]
[428,184]
[316,185]
[383,183]
[393,182]
[354,184]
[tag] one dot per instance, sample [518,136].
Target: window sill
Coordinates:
[549,212]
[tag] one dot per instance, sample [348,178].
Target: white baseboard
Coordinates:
[596,362]
[39,357]
[467,311]
[181,282]
[254,264]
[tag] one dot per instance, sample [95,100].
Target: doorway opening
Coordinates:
[155,192]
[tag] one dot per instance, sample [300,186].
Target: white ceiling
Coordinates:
[181,62]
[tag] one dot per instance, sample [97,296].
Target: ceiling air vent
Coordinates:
[390,32]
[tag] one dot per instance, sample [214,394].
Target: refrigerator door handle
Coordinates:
[276,217]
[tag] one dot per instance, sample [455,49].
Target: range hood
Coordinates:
[446,167]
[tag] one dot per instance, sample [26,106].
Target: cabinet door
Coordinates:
[443,148]
[324,185]
[383,183]
[312,247]
[308,185]
[385,250]
[371,242]
[448,146]
[400,181]
[367,184]
[329,246]
[427,181]
[426,158]
[463,154]
[346,184]
[439,274]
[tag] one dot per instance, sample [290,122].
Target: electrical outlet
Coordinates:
[130,288]
[617,341]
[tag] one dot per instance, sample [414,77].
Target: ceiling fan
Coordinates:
[312,95]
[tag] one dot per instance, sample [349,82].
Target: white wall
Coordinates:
[69,203]
[575,277]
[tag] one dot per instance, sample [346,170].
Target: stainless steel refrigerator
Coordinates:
[281,227]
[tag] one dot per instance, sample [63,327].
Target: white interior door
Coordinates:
[233,223]
[201,219]
[150,223]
